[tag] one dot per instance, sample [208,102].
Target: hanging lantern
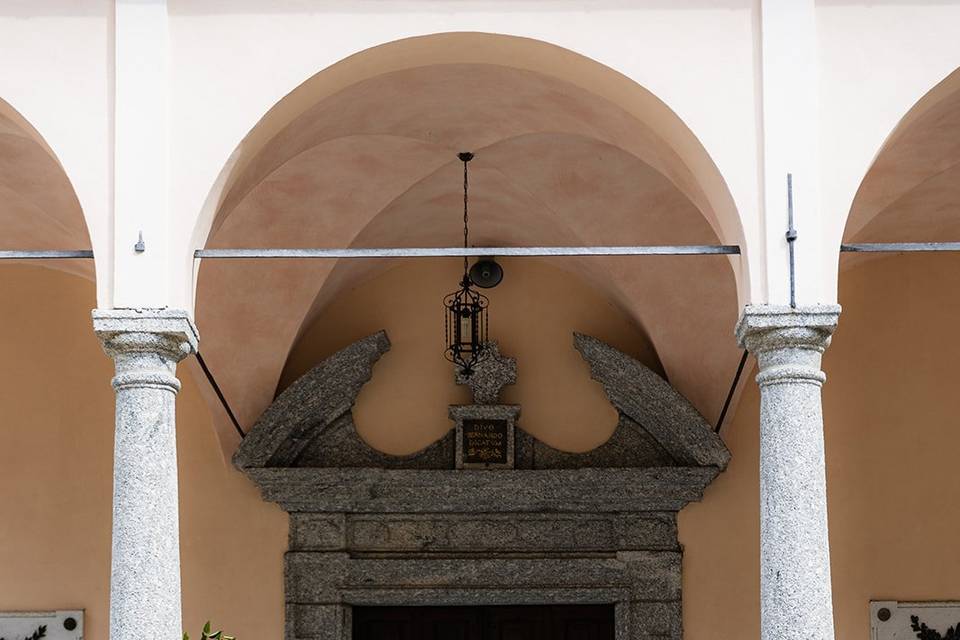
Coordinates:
[466,326]
[466,309]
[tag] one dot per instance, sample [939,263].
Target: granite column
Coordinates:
[795,591]
[145,572]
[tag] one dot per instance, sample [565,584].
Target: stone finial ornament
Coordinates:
[490,375]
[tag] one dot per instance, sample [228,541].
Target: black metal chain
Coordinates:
[466,228]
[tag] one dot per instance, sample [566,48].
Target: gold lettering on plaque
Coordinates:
[484,441]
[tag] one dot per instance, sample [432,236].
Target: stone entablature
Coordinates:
[368,528]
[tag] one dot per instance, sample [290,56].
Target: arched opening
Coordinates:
[911,193]
[57,410]
[39,209]
[568,152]
[890,405]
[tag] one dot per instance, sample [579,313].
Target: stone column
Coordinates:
[795,593]
[145,573]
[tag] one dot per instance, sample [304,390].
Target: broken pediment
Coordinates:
[310,425]
[647,404]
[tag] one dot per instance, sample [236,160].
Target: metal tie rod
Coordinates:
[45,255]
[896,247]
[459,252]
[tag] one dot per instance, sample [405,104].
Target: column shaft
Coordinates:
[145,571]
[795,590]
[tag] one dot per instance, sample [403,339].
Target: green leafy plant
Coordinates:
[207,634]
[41,632]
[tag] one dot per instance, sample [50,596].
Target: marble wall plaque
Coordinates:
[893,620]
[49,625]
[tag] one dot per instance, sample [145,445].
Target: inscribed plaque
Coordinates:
[485,441]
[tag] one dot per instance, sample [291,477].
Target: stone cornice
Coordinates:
[502,491]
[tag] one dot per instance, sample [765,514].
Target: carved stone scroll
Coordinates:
[647,403]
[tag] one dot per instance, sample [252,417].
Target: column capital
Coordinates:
[788,342]
[170,332]
[763,327]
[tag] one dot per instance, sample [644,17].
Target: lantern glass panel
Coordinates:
[467,329]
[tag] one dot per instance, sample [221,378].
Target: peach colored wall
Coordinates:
[231,542]
[533,314]
[721,537]
[890,410]
[891,435]
[56,441]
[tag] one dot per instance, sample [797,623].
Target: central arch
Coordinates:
[569,152]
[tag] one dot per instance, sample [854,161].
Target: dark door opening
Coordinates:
[558,622]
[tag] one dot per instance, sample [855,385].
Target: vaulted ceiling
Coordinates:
[38,207]
[912,191]
[375,165]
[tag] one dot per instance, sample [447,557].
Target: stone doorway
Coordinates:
[572,622]
[550,530]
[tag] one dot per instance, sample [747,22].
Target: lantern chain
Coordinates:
[466,228]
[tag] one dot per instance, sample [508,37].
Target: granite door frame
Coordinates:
[322,588]
[367,528]
[632,619]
